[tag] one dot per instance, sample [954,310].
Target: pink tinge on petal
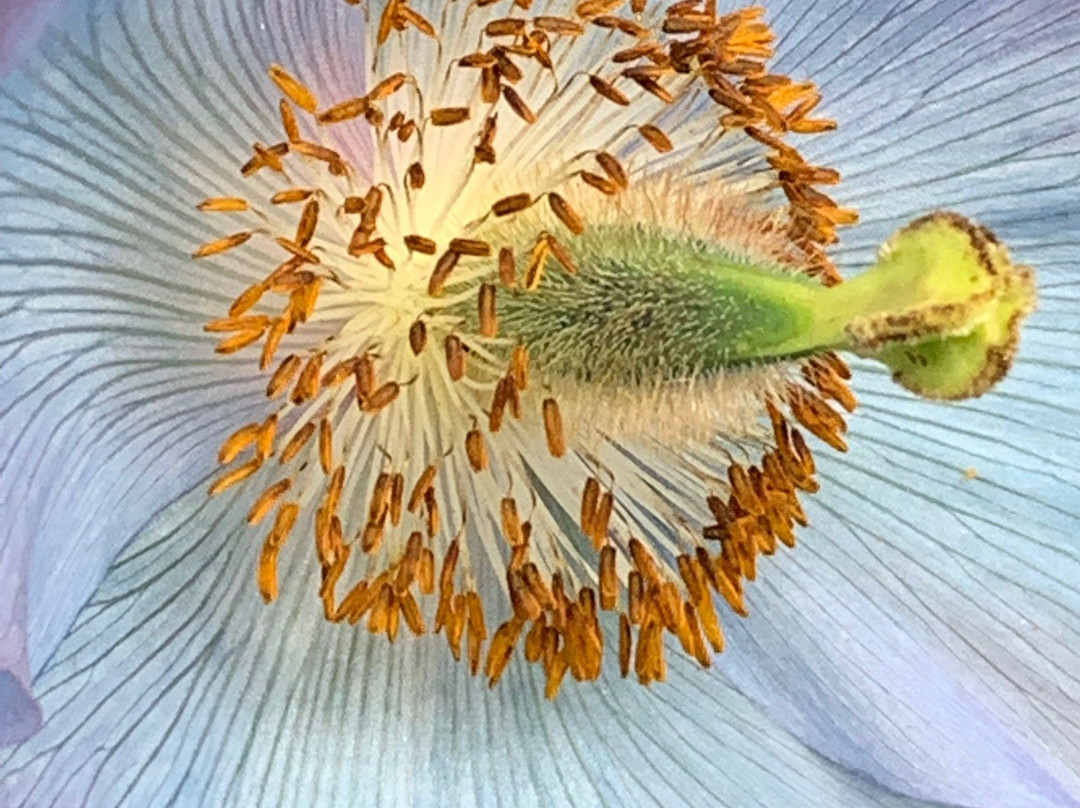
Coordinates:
[20,714]
[21,23]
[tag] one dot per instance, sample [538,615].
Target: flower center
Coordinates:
[538,248]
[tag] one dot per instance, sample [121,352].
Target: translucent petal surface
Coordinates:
[913,574]
[110,137]
[177,686]
[921,634]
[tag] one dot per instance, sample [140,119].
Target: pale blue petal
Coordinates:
[178,686]
[195,693]
[113,399]
[925,632]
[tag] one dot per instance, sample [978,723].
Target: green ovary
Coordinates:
[941,309]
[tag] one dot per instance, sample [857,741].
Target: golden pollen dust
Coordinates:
[430,443]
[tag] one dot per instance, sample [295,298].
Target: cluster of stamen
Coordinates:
[364,386]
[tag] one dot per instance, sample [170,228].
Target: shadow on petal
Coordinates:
[20,714]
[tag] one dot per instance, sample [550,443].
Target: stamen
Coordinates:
[517,104]
[297,442]
[553,427]
[420,244]
[511,522]
[309,219]
[267,570]
[278,328]
[559,25]
[293,89]
[455,357]
[489,321]
[476,450]
[289,122]
[519,367]
[470,246]
[448,116]
[609,584]
[614,169]
[238,341]
[415,175]
[237,442]
[566,214]
[326,446]
[267,500]
[441,273]
[290,195]
[534,271]
[341,112]
[602,184]
[387,87]
[226,204]
[423,485]
[222,244]
[511,204]
[609,91]
[418,337]
[671,313]
[283,376]
[507,267]
[382,397]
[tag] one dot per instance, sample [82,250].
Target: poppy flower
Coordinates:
[513,403]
